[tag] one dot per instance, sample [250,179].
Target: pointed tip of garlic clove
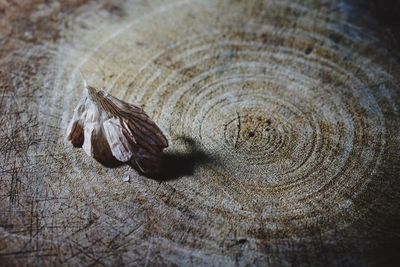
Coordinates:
[92,92]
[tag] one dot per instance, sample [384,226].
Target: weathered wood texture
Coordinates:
[282,116]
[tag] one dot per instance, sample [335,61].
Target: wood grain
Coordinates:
[282,118]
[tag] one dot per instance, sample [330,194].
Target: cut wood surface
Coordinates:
[282,119]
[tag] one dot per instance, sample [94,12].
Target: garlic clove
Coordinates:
[111,130]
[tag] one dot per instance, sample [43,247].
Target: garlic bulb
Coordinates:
[113,131]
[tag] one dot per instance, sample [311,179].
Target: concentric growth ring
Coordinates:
[274,121]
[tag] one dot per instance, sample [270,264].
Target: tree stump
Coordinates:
[282,118]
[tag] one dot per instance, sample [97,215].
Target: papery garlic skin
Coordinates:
[115,136]
[110,129]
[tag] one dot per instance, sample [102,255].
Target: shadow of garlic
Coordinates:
[115,132]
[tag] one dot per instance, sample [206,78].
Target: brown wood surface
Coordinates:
[282,117]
